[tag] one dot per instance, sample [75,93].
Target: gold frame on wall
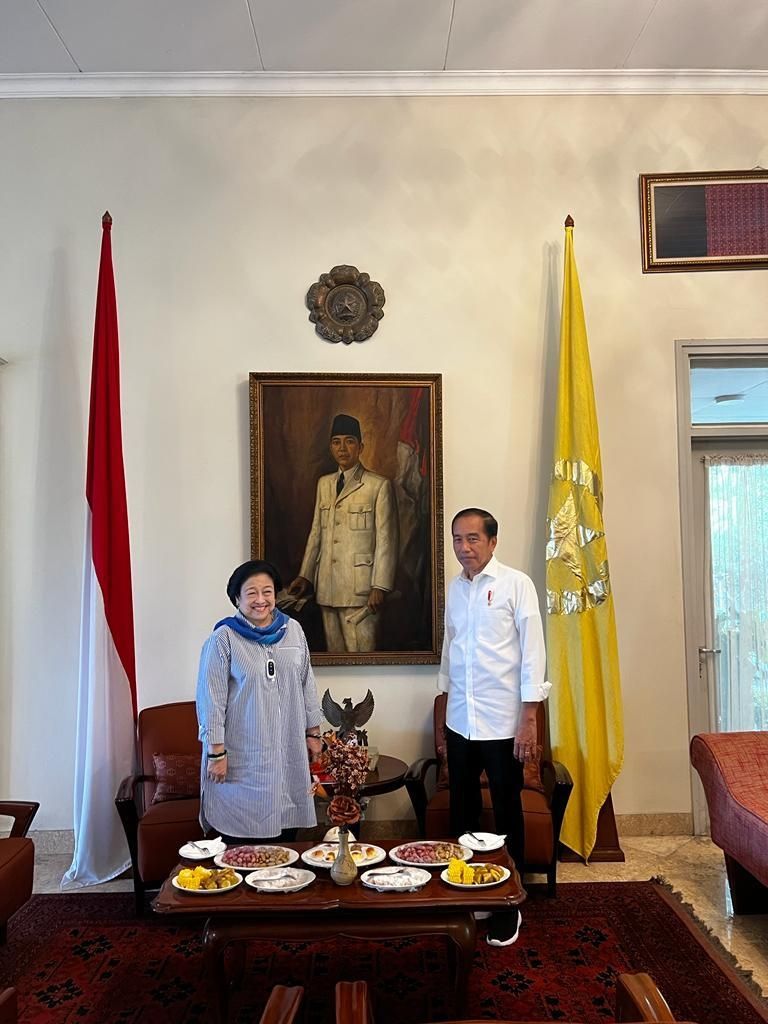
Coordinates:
[703,221]
[401,421]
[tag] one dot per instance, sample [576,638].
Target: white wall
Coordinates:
[224,212]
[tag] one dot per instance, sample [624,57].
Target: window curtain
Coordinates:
[737,492]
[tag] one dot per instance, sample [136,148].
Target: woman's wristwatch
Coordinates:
[217,757]
[313,735]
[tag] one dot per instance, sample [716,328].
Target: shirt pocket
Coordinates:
[360,516]
[363,567]
[495,624]
[324,512]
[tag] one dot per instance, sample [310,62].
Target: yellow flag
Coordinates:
[582,655]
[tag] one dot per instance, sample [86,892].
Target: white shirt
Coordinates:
[493,652]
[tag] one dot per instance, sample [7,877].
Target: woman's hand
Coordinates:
[217,769]
[314,747]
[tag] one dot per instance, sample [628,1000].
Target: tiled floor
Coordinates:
[691,865]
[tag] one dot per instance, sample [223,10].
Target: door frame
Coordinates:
[699,719]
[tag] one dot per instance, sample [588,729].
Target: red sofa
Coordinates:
[733,767]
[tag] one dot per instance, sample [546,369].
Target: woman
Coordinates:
[259,716]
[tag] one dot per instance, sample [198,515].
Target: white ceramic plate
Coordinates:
[395,879]
[275,879]
[212,847]
[487,841]
[290,859]
[476,885]
[323,855]
[206,892]
[396,854]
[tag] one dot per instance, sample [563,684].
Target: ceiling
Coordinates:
[91,38]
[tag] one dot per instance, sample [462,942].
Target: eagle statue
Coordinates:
[347,719]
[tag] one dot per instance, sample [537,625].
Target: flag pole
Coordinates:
[585,705]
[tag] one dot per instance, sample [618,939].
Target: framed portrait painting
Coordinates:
[704,221]
[347,502]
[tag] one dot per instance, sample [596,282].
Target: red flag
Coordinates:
[107,685]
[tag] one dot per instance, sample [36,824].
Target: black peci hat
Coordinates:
[346,426]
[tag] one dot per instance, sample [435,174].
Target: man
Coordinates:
[351,551]
[493,669]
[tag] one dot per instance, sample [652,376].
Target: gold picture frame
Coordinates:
[704,221]
[388,518]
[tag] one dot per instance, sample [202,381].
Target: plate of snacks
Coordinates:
[202,881]
[394,879]
[323,855]
[429,853]
[474,876]
[280,879]
[248,858]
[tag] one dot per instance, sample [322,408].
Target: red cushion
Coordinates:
[178,776]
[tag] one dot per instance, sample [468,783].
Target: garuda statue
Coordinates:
[347,718]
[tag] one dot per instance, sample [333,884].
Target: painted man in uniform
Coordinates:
[351,552]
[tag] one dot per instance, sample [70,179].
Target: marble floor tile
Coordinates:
[691,865]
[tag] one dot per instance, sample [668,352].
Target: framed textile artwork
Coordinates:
[347,502]
[704,221]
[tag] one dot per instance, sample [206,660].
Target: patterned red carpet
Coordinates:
[85,958]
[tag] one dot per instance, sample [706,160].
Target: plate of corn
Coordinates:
[474,876]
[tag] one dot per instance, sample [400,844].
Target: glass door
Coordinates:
[734,653]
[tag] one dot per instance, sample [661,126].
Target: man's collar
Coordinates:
[491,568]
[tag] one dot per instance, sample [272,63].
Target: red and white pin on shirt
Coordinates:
[490,598]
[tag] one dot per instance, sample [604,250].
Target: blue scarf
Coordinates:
[270,634]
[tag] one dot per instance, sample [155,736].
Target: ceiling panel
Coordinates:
[352,35]
[157,35]
[28,44]
[704,34]
[547,34]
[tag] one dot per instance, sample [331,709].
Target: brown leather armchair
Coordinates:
[155,831]
[637,999]
[544,797]
[17,861]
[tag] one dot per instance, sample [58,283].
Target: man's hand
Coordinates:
[299,587]
[526,736]
[376,599]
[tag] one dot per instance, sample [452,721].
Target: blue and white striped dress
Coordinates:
[262,722]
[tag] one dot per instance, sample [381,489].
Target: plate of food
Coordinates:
[395,879]
[429,853]
[323,855]
[202,881]
[280,879]
[474,876]
[482,841]
[202,849]
[251,857]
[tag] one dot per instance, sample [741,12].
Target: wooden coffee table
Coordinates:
[325,910]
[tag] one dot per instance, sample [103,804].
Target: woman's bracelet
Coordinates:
[217,757]
[313,735]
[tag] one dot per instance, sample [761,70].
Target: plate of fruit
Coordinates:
[474,876]
[202,881]
[429,853]
[249,858]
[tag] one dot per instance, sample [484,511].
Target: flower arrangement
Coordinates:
[347,764]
